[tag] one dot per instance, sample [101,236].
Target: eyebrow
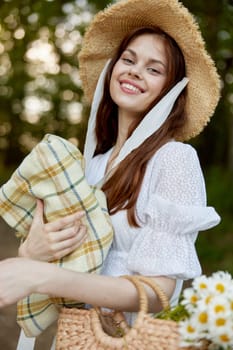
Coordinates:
[151,60]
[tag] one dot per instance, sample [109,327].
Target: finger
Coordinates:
[66,251]
[60,224]
[69,236]
[71,242]
[63,235]
[39,211]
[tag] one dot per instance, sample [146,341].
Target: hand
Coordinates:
[20,277]
[54,240]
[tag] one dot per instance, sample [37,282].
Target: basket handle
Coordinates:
[138,282]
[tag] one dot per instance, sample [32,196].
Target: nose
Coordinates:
[135,71]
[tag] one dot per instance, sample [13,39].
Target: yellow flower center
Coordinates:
[190,329]
[224,338]
[219,308]
[220,322]
[203,317]
[208,299]
[203,286]
[220,288]
[193,299]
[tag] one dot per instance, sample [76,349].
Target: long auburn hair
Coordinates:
[123,187]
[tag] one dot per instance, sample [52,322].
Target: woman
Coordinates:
[141,112]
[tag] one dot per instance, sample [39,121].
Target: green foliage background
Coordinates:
[60,25]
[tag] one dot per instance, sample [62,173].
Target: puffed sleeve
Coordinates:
[171,210]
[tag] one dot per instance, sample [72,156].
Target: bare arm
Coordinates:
[111,292]
[20,277]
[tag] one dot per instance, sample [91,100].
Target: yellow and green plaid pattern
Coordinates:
[53,171]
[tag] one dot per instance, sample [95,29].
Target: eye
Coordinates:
[154,70]
[127,60]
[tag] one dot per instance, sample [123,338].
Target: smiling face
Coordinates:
[139,75]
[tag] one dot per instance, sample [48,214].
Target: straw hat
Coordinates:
[110,26]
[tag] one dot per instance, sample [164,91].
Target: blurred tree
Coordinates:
[100,4]
[40,88]
[215,17]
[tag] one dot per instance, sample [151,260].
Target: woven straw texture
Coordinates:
[110,26]
[53,171]
[82,329]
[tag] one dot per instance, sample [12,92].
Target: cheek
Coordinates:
[115,69]
[113,81]
[111,87]
[157,86]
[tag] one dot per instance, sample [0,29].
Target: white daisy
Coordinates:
[210,306]
[201,285]
[219,305]
[220,323]
[190,299]
[189,330]
[223,339]
[221,283]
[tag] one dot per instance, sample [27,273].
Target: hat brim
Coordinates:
[110,26]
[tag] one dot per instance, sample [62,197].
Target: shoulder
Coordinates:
[174,164]
[174,173]
[176,147]
[175,153]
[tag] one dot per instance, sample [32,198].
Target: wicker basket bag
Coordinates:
[84,329]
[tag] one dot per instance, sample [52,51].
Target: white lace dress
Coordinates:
[171,210]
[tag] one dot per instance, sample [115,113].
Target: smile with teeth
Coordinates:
[131,87]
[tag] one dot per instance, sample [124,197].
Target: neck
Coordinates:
[123,128]
[124,122]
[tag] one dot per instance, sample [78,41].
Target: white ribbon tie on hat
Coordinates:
[90,142]
[150,123]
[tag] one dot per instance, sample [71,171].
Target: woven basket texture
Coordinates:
[80,329]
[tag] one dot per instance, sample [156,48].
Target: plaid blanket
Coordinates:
[53,171]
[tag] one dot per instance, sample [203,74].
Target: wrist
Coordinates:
[22,251]
[47,278]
